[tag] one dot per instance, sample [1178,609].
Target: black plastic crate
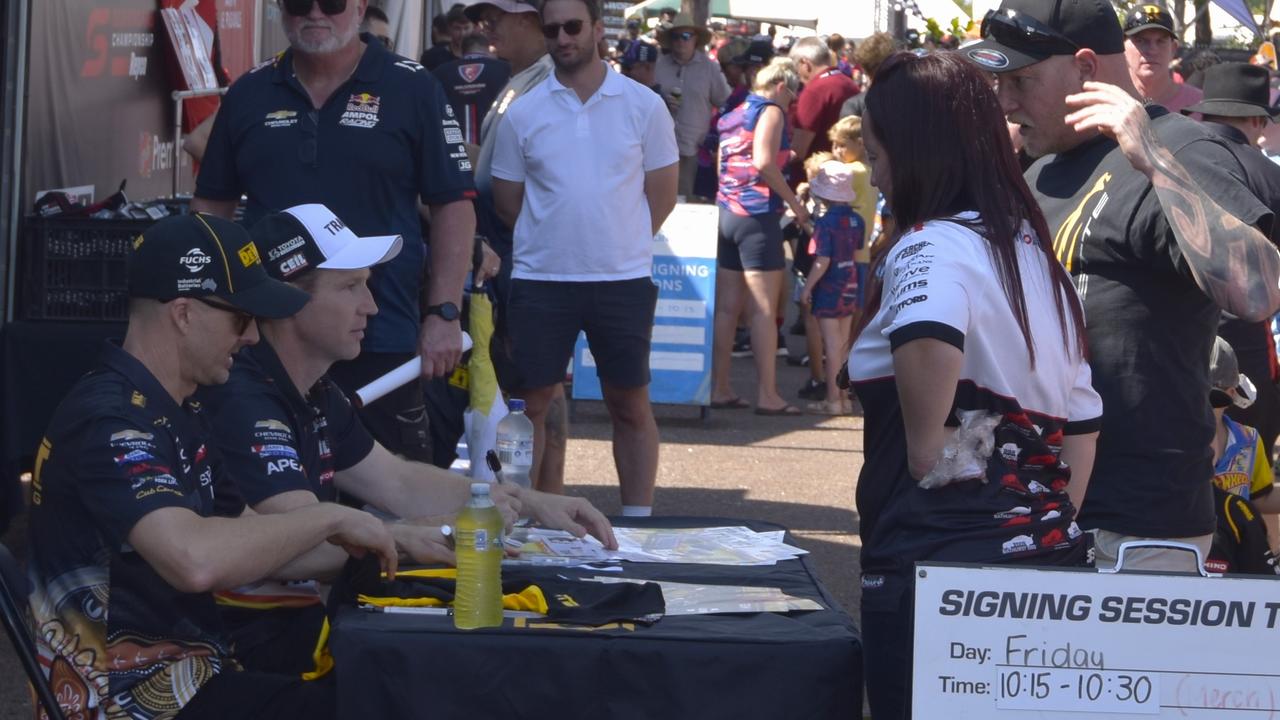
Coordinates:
[76,268]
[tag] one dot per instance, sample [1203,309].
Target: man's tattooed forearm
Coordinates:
[1235,265]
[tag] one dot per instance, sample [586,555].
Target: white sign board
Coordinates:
[1001,642]
[684,269]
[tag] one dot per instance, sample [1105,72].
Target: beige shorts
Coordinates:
[1107,544]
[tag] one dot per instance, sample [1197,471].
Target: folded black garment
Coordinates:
[575,602]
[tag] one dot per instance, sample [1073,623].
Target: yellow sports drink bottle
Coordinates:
[478,602]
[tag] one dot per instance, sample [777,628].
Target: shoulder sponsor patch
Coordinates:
[988,58]
[138,399]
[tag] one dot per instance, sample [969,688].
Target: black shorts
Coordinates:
[750,242]
[543,319]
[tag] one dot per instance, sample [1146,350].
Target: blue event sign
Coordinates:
[684,269]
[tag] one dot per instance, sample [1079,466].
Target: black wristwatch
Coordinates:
[446,310]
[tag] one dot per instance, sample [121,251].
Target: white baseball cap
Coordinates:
[311,236]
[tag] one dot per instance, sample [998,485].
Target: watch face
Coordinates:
[447,310]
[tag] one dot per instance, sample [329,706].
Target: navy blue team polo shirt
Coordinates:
[384,139]
[272,438]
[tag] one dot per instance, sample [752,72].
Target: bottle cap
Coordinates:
[480,488]
[515,405]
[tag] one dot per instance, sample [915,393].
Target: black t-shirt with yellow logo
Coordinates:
[1150,327]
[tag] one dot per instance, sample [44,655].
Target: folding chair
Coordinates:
[13,597]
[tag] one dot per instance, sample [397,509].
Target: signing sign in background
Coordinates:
[995,642]
[684,269]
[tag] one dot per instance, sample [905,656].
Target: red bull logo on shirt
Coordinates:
[362,111]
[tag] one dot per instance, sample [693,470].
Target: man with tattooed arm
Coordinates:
[1152,217]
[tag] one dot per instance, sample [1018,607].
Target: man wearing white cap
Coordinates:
[290,437]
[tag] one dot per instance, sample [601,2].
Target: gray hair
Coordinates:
[813,50]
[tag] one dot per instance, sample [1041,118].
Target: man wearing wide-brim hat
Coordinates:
[1237,108]
[692,85]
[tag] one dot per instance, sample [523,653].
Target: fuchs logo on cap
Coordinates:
[194,260]
[993,59]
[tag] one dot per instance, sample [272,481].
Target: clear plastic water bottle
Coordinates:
[515,444]
[477,602]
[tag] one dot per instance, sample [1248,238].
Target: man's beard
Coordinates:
[333,43]
[581,59]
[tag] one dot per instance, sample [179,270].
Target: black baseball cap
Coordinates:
[1024,32]
[759,52]
[201,255]
[1148,16]
[310,236]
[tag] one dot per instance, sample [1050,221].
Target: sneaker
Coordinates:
[813,390]
[782,346]
[798,361]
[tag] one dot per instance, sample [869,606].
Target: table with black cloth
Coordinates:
[39,362]
[748,665]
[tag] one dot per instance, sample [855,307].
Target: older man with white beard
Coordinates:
[338,119]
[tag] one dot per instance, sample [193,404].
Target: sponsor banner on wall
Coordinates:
[99,109]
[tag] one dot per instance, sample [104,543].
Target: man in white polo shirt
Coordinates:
[585,170]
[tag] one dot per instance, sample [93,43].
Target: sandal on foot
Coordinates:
[784,411]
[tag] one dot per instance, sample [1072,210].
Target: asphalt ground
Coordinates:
[798,472]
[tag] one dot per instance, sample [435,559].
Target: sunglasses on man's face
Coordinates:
[551,31]
[242,318]
[1023,32]
[298,8]
[683,35]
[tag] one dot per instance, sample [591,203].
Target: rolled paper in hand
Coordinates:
[397,377]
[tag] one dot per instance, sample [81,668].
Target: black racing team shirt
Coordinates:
[472,85]
[120,637]
[1150,327]
[272,438]
[385,139]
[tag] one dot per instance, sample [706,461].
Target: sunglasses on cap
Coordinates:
[1023,32]
[242,318]
[551,31]
[298,8]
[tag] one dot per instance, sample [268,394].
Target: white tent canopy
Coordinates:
[791,12]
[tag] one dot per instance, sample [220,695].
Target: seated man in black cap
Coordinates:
[1152,219]
[1237,109]
[291,438]
[125,546]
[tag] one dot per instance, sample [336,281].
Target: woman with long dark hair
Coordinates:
[974,339]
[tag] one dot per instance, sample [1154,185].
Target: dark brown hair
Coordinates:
[939,121]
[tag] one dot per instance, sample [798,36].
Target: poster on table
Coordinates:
[684,269]
[1027,643]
